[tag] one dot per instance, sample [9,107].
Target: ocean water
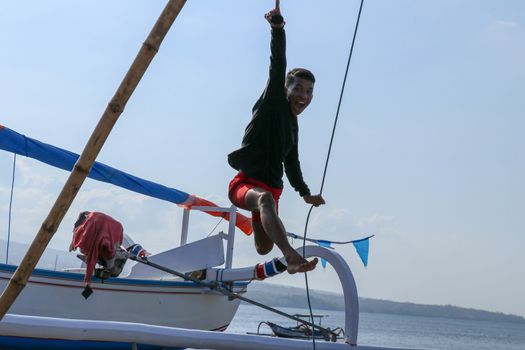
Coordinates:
[401,331]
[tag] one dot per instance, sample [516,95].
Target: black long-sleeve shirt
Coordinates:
[271,137]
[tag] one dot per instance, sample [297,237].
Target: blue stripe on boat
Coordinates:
[19,343]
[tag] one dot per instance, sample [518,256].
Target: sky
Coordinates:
[427,154]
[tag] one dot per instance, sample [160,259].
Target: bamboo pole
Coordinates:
[83,165]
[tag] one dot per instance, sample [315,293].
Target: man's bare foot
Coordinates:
[296,263]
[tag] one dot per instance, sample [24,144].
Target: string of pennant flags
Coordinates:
[361,245]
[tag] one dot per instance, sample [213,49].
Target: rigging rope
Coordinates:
[10,205]
[328,157]
[213,229]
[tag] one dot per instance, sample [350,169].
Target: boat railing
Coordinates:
[230,236]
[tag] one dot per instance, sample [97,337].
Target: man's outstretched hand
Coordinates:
[274,17]
[316,200]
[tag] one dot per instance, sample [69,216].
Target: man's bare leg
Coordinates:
[263,243]
[258,199]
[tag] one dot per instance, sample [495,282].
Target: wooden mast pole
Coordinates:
[83,165]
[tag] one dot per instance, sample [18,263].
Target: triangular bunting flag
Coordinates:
[361,246]
[326,244]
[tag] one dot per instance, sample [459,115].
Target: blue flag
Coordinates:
[361,246]
[326,244]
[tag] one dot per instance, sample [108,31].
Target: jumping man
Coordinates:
[270,141]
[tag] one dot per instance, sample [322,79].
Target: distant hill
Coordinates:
[282,296]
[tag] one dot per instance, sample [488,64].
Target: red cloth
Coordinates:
[241,184]
[96,238]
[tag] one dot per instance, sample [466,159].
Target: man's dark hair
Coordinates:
[298,73]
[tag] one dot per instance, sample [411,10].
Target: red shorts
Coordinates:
[242,184]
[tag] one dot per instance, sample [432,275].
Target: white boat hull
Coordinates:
[163,303]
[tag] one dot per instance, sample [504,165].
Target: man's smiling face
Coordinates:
[299,94]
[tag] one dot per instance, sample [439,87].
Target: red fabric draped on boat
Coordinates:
[96,238]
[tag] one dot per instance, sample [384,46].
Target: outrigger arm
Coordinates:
[274,267]
[338,263]
[221,288]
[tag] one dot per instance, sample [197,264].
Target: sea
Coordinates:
[400,331]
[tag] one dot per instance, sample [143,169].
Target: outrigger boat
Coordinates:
[301,330]
[157,305]
[151,308]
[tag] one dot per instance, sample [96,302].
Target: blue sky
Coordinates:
[427,155]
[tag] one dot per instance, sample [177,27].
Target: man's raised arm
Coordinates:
[278,51]
[274,16]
